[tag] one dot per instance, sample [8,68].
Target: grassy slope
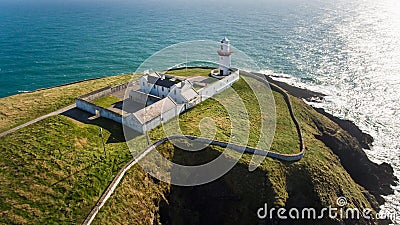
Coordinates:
[319,177]
[50,175]
[21,108]
[285,140]
[134,210]
[52,171]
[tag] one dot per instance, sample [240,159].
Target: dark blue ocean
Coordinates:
[47,44]
[347,49]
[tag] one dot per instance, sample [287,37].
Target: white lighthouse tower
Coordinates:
[224,57]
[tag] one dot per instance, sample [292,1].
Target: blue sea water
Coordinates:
[347,49]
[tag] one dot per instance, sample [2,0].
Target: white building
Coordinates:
[151,116]
[159,97]
[161,86]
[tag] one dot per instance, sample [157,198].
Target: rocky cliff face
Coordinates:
[334,166]
[235,197]
[348,146]
[377,179]
[365,140]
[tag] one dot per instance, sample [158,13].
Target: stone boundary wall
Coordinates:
[96,94]
[103,92]
[84,102]
[119,87]
[94,109]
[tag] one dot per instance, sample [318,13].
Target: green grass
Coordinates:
[285,141]
[106,101]
[316,180]
[21,108]
[54,171]
[190,72]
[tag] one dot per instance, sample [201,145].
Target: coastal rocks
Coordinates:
[377,179]
[364,139]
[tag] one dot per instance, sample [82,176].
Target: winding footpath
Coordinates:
[283,157]
[37,120]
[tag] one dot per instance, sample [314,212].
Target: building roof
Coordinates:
[189,94]
[159,81]
[154,110]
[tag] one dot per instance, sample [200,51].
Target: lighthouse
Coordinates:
[224,57]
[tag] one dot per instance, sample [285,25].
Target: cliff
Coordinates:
[334,166]
[348,146]
[55,170]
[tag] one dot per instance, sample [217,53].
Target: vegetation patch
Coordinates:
[106,101]
[190,72]
[55,170]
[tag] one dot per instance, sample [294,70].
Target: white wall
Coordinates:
[219,86]
[162,92]
[91,108]
[176,95]
[132,122]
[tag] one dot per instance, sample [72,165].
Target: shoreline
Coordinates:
[363,138]
[378,179]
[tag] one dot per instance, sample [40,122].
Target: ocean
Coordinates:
[347,49]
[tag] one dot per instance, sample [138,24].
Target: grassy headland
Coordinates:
[54,171]
[317,180]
